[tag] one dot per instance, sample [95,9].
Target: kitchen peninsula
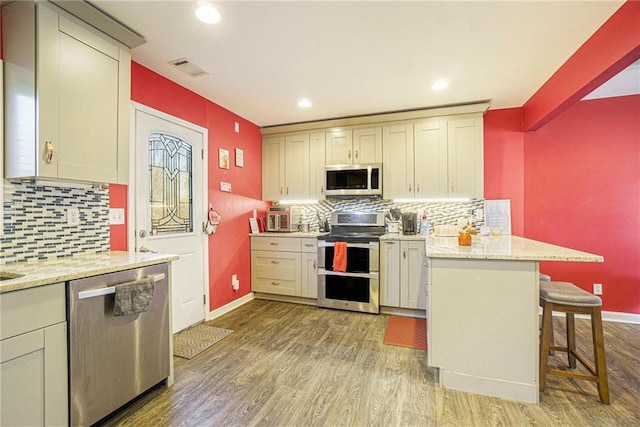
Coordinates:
[483,312]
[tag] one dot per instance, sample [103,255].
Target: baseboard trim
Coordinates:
[609,316]
[230,306]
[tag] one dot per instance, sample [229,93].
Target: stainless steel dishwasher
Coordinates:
[113,359]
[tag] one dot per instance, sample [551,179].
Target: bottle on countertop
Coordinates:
[424,224]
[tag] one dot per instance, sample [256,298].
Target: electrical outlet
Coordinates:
[235,283]
[597,288]
[73,216]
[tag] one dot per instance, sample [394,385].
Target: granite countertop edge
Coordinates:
[50,271]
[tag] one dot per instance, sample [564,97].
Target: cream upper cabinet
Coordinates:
[316,165]
[285,167]
[466,158]
[435,158]
[354,146]
[273,168]
[430,159]
[67,97]
[397,161]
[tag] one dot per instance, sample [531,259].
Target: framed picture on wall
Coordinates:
[239,158]
[223,158]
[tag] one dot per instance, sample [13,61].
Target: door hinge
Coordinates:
[202,153]
[204,299]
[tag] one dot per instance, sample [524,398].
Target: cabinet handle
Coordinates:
[404,254]
[390,243]
[356,154]
[322,189]
[281,191]
[309,245]
[409,187]
[452,188]
[275,283]
[349,155]
[417,188]
[314,264]
[275,262]
[287,190]
[274,244]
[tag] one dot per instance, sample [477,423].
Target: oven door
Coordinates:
[357,288]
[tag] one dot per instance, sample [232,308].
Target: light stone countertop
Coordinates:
[46,272]
[312,234]
[400,236]
[505,247]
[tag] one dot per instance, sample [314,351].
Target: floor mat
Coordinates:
[191,342]
[406,332]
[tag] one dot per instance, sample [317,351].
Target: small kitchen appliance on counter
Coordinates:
[284,219]
[409,223]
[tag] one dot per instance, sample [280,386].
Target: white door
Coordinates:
[169,196]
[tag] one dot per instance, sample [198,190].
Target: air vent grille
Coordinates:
[188,67]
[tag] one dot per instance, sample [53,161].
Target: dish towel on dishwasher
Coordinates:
[133,297]
[340,256]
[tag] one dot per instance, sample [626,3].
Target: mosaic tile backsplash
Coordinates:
[438,213]
[35,222]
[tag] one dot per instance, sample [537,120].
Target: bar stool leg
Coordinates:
[571,340]
[545,339]
[598,351]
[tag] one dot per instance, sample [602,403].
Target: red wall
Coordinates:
[581,181]
[229,248]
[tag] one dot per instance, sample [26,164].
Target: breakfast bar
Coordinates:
[482,329]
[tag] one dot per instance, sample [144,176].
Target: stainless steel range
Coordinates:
[354,238]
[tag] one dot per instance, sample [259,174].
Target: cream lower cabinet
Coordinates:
[309,267]
[400,271]
[276,266]
[33,357]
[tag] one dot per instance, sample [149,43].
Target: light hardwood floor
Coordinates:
[297,365]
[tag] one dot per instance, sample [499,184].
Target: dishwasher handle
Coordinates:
[111,289]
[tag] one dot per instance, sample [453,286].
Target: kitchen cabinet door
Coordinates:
[367,145]
[390,273]
[272,168]
[316,165]
[465,158]
[296,164]
[397,162]
[310,275]
[412,292]
[430,157]
[75,123]
[339,147]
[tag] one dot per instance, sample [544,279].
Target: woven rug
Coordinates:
[406,332]
[191,342]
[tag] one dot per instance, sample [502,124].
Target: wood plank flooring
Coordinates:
[297,365]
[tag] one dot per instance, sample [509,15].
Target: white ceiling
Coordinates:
[354,58]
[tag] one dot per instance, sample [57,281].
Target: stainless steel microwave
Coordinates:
[353,180]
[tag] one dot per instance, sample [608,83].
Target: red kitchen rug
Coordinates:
[406,332]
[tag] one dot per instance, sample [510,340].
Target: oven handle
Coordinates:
[370,245]
[111,289]
[324,272]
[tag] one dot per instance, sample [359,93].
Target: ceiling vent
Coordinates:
[188,67]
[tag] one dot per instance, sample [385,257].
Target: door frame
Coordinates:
[131,193]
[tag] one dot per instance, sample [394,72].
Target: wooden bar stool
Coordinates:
[570,299]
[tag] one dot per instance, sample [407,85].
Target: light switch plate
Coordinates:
[116,216]
[73,216]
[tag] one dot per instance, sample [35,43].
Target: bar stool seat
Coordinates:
[570,299]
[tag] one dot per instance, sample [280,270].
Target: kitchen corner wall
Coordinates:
[35,222]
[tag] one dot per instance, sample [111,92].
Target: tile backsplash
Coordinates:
[438,213]
[35,222]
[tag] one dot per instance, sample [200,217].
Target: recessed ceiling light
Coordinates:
[440,84]
[207,13]
[304,103]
